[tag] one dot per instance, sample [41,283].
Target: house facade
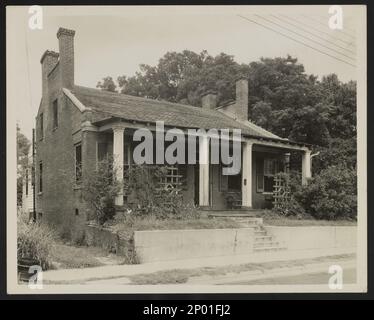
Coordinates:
[27,189]
[77,126]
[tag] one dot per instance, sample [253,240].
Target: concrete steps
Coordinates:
[244,217]
[270,249]
[264,244]
[263,241]
[263,237]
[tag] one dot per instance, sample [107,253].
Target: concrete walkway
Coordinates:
[75,276]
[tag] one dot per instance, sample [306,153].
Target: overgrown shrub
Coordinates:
[332,194]
[146,196]
[100,189]
[35,242]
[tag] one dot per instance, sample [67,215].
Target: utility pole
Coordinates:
[33,176]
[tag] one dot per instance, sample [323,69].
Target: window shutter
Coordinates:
[260,175]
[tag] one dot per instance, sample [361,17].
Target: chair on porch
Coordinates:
[233,199]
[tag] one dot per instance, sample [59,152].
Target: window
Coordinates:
[265,171]
[260,174]
[41,126]
[27,182]
[76,211]
[40,177]
[78,163]
[55,114]
[40,216]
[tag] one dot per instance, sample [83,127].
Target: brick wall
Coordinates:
[60,202]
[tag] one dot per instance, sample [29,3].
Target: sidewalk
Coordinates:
[76,276]
[276,273]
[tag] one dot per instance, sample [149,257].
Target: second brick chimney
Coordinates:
[241,104]
[66,47]
[209,100]
[48,61]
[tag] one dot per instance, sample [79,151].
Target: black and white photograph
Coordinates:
[186,149]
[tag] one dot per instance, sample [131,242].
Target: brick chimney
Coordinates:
[241,105]
[48,61]
[66,47]
[209,100]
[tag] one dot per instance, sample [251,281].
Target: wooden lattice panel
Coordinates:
[281,192]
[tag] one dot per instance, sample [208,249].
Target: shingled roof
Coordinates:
[106,105]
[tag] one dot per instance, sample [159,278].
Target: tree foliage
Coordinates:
[282,97]
[100,189]
[107,84]
[23,147]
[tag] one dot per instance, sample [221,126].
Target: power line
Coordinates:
[318,30]
[324,24]
[296,40]
[301,35]
[28,66]
[349,32]
[313,34]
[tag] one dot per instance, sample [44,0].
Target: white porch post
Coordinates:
[306,169]
[204,171]
[118,156]
[247,174]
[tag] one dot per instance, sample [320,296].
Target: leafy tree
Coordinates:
[183,76]
[342,100]
[107,84]
[339,151]
[282,97]
[23,147]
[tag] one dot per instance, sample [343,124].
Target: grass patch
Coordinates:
[271,218]
[178,276]
[152,223]
[125,227]
[71,257]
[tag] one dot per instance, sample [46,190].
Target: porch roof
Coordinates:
[107,106]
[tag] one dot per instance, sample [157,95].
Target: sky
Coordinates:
[115,40]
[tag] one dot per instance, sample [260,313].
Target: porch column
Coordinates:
[247,174]
[204,171]
[306,168]
[118,156]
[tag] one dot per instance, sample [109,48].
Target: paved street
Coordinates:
[308,273]
[349,277]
